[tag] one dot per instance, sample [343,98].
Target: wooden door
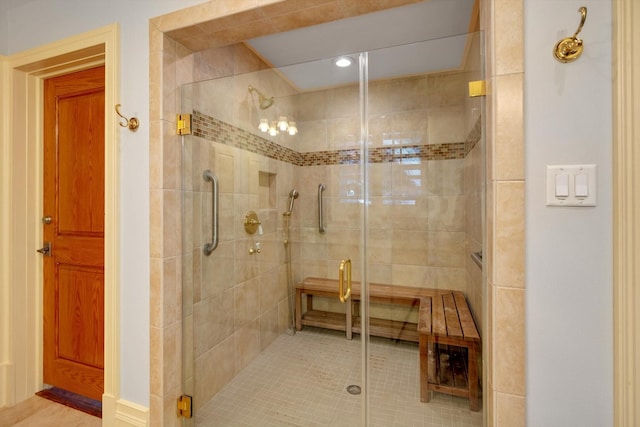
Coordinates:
[74,200]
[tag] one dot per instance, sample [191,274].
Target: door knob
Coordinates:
[46,249]
[46,220]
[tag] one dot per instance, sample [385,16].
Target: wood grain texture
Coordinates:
[73,173]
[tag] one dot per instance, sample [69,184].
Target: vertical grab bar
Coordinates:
[210,177]
[321,189]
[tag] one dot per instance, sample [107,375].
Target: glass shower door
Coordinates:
[252,231]
[295,192]
[424,227]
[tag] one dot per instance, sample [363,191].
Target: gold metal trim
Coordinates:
[185,406]
[183,124]
[345,267]
[570,48]
[251,222]
[477,88]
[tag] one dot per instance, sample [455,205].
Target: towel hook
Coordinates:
[132,123]
[570,48]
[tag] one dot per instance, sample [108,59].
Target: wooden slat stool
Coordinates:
[446,319]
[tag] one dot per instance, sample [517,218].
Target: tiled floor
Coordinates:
[39,412]
[301,380]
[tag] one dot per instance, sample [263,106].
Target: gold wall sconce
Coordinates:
[133,123]
[570,48]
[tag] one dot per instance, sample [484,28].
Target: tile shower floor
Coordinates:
[301,380]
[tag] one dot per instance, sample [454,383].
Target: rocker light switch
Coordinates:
[582,185]
[562,185]
[571,185]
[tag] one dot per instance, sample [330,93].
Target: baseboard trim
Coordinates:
[123,413]
[7,395]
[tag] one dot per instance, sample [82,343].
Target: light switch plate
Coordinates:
[571,171]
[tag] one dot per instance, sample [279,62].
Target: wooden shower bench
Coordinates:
[444,317]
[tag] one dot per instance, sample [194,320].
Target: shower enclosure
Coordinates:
[385,174]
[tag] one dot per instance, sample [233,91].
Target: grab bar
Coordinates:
[321,189]
[210,247]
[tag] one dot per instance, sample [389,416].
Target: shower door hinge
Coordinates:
[477,88]
[184,124]
[185,407]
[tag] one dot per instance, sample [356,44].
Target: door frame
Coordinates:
[626,213]
[21,171]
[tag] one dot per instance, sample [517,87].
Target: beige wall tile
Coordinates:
[171,223]
[214,318]
[269,295]
[156,234]
[412,248]
[453,278]
[188,368]
[214,370]
[172,286]
[509,344]
[156,340]
[171,156]
[489,406]
[170,88]
[246,302]
[155,154]
[269,330]
[247,344]
[509,42]
[508,150]
[510,410]
[509,234]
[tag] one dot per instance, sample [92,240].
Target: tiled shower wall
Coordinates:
[425,211]
[503,260]
[236,302]
[416,210]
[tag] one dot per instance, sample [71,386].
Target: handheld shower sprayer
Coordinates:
[293,194]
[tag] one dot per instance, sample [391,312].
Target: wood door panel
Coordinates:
[81,165]
[73,298]
[80,315]
[81,250]
[71,376]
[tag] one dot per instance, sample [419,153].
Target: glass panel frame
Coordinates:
[262,178]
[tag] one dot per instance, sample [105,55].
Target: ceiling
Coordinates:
[424,37]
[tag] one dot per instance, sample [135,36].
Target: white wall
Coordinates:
[32,23]
[568,250]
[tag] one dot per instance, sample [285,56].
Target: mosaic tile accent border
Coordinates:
[215,130]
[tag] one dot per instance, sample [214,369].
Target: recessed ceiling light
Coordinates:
[343,61]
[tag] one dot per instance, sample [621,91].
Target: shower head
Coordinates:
[293,194]
[263,100]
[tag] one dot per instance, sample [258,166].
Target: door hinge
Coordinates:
[183,124]
[477,88]
[184,406]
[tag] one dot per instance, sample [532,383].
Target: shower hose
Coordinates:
[290,291]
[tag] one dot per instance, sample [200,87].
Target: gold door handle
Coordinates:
[345,268]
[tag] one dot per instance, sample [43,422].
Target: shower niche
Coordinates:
[267,195]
